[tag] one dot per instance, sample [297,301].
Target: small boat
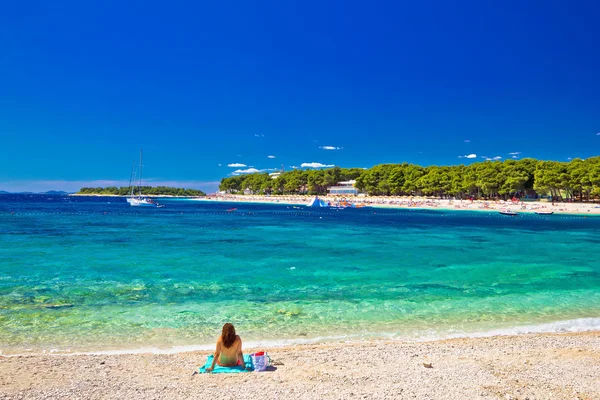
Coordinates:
[509,212]
[544,212]
[232,209]
[139,200]
[142,201]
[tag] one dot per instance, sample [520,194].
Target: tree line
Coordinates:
[145,190]
[576,179]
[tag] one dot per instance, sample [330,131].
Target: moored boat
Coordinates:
[509,212]
[139,200]
[544,212]
[142,201]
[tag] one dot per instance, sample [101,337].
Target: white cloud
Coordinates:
[497,158]
[270,156]
[569,158]
[247,171]
[315,165]
[219,165]
[467,141]
[293,167]
[330,148]
[259,135]
[515,153]
[598,134]
[236,165]
[515,157]
[469,156]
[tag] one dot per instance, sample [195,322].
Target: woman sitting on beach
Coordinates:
[229,349]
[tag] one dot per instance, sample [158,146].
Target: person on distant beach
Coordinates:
[229,349]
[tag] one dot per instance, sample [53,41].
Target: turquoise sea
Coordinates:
[94,274]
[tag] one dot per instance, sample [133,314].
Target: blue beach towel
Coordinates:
[227,370]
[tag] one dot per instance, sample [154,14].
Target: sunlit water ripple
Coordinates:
[93,273]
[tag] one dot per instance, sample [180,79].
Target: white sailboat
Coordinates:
[138,200]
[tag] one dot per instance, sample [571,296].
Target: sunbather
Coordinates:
[229,349]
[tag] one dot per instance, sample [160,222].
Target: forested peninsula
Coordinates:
[577,179]
[144,190]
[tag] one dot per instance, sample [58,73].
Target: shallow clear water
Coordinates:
[94,273]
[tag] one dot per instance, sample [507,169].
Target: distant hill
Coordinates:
[144,190]
[48,192]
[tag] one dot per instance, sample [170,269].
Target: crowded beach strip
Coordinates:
[403,202]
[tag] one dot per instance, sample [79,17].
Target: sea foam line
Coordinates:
[564,326]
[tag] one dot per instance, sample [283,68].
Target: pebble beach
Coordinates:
[541,366]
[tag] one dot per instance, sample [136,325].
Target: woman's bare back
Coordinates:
[229,355]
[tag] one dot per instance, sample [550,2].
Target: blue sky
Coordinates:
[201,85]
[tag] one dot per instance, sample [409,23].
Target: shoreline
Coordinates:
[558,365]
[419,203]
[568,326]
[250,346]
[164,196]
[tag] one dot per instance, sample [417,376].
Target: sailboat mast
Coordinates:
[132,179]
[140,184]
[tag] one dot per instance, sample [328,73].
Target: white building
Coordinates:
[343,188]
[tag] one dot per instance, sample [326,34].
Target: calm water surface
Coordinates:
[93,273]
